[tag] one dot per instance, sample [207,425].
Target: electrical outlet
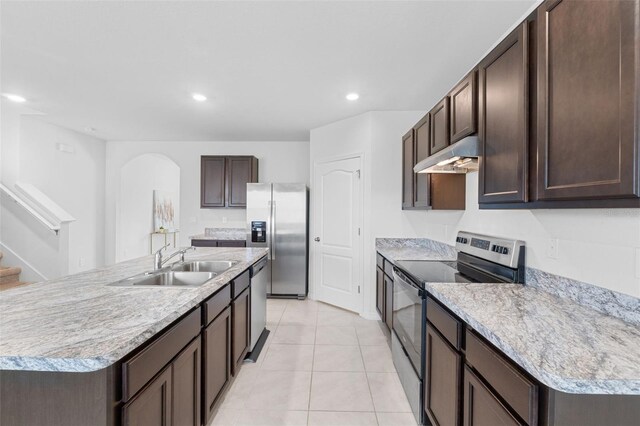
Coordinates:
[224,219]
[81,261]
[552,248]
[637,262]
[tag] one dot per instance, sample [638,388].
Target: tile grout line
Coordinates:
[367,378]
[313,360]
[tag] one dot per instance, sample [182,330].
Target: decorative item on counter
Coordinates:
[164,213]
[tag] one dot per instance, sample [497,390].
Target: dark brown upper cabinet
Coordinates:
[439,126]
[464,107]
[421,136]
[588,98]
[423,191]
[212,181]
[223,180]
[503,120]
[408,177]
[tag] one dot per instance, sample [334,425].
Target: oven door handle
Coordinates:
[407,280]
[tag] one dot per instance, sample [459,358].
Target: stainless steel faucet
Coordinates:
[158,261]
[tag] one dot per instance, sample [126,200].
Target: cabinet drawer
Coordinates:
[204,243]
[216,304]
[137,371]
[388,269]
[232,243]
[516,389]
[446,324]
[239,283]
[380,261]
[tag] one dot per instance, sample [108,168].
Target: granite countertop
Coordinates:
[221,234]
[566,345]
[395,249]
[78,323]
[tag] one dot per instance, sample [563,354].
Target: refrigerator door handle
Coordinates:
[273,230]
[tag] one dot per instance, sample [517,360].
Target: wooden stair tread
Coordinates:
[9,270]
[7,286]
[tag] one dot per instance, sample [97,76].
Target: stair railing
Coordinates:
[16,199]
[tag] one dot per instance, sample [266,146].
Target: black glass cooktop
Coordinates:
[432,271]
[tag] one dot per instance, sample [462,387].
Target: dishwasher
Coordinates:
[260,280]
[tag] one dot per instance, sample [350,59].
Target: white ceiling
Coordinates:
[271,70]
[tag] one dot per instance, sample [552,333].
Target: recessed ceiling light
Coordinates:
[14,98]
[352,97]
[199,97]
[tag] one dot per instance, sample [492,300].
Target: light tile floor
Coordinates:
[320,366]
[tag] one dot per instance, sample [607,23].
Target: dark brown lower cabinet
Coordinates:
[481,406]
[240,328]
[217,360]
[152,406]
[380,296]
[218,243]
[186,385]
[443,379]
[388,301]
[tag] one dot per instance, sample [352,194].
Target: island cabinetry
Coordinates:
[162,382]
[240,319]
[217,360]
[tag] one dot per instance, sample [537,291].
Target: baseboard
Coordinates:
[373,316]
[29,273]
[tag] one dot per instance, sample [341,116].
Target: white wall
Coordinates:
[73,180]
[139,177]
[278,162]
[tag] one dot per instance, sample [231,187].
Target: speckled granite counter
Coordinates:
[570,345]
[414,249]
[79,323]
[221,234]
[566,346]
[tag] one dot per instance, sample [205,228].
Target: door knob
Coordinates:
[316,239]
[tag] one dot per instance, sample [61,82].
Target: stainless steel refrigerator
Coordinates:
[277,218]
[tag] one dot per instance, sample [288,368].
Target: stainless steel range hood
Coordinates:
[461,157]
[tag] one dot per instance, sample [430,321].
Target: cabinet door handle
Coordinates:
[316,239]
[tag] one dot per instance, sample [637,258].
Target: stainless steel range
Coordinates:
[480,258]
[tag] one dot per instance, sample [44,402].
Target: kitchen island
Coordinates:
[67,346]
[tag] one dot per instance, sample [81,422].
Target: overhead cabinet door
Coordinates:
[240,171]
[421,135]
[503,112]
[464,106]
[439,126]
[212,183]
[588,99]
[408,179]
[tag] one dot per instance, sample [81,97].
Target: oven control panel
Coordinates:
[500,250]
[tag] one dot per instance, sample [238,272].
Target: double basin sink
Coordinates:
[183,274]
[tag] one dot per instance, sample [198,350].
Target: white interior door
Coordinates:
[337,241]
